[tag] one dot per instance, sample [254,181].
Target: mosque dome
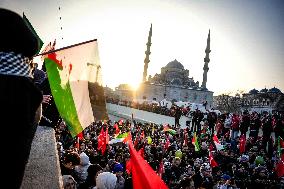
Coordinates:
[253,91]
[175,64]
[265,90]
[274,90]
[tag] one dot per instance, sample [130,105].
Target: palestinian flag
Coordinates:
[118,138]
[217,143]
[195,142]
[168,129]
[74,75]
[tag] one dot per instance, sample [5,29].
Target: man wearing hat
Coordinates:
[19,98]
[228,182]
[118,171]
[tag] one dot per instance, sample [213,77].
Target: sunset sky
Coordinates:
[247,39]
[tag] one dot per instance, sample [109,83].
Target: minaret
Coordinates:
[147,53]
[206,61]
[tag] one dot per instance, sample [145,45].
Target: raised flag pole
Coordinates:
[63,48]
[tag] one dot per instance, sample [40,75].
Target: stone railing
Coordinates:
[43,168]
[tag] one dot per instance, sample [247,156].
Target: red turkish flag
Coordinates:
[242,144]
[143,175]
[103,140]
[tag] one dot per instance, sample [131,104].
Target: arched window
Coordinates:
[263,102]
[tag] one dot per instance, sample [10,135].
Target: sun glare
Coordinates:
[134,86]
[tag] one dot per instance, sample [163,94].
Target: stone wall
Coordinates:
[43,169]
[143,116]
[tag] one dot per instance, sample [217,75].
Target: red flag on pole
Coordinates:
[143,175]
[103,140]
[213,163]
[128,167]
[242,144]
[141,152]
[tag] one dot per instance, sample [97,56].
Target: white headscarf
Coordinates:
[106,180]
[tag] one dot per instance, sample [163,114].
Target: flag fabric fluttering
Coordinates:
[195,143]
[143,175]
[168,129]
[28,23]
[75,80]
[80,135]
[103,140]
[242,144]
[213,163]
[128,138]
[119,138]
[217,143]
[141,152]
[128,167]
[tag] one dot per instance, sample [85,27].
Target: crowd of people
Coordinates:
[210,151]
[247,157]
[247,154]
[154,107]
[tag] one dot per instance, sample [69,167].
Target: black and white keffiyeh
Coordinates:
[15,64]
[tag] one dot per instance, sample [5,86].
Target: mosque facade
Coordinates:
[174,83]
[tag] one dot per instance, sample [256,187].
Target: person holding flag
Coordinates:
[20,99]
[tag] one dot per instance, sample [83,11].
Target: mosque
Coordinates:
[174,83]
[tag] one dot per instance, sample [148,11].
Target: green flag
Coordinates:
[40,42]
[195,143]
